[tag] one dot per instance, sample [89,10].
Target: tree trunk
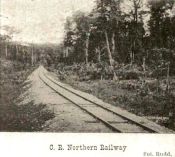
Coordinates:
[111,61]
[168,78]
[66,52]
[131,57]
[17,51]
[32,57]
[6,50]
[113,43]
[86,49]
[98,52]
[144,65]
[108,49]
[132,54]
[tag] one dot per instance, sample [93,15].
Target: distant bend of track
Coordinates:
[74,98]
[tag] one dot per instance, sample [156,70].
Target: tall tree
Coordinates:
[79,35]
[158,23]
[136,29]
[108,22]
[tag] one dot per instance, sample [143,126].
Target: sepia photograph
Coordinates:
[87,66]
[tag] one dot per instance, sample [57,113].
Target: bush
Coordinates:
[28,117]
[129,72]
[158,61]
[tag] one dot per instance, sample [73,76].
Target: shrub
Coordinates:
[28,117]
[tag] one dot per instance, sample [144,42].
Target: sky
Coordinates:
[39,21]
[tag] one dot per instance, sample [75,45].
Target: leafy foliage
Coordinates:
[13,117]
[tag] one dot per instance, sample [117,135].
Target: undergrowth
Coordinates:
[144,96]
[15,117]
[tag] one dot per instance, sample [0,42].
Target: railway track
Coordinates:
[115,121]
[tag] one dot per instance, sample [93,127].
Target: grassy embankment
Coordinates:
[14,117]
[143,96]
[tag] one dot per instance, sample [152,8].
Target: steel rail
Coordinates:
[113,128]
[99,105]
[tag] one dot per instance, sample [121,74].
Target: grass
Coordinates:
[141,98]
[14,117]
[28,117]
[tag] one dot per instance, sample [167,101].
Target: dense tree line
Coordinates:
[144,34]
[118,39]
[29,53]
[126,40]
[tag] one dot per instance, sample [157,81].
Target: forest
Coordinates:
[143,34]
[123,51]
[110,35]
